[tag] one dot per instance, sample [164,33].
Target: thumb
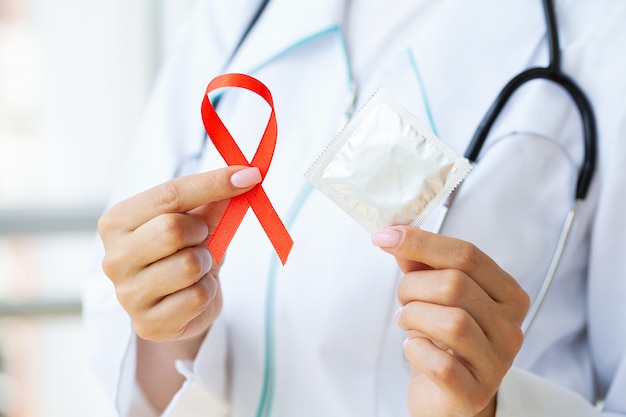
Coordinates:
[213,212]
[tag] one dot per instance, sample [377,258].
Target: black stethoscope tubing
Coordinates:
[552,73]
[257,14]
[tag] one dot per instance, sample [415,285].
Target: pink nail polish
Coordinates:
[386,238]
[246,177]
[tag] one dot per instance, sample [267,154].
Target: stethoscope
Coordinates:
[552,73]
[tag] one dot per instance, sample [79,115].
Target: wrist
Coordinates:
[156,370]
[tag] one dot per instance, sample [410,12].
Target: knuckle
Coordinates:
[191,266]
[169,197]
[125,295]
[524,300]
[518,305]
[146,330]
[199,296]
[112,266]
[104,224]
[468,256]
[404,289]
[515,339]
[458,324]
[107,223]
[453,286]
[172,230]
[150,326]
[445,370]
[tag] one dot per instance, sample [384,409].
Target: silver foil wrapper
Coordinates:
[386,168]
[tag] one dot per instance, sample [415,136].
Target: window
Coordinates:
[74,76]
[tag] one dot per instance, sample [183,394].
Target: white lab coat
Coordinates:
[335,350]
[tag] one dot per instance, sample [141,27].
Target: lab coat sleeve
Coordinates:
[203,393]
[195,399]
[140,406]
[113,358]
[523,394]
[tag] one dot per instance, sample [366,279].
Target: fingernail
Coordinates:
[386,238]
[246,177]
[396,316]
[406,341]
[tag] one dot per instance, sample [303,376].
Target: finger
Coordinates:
[180,195]
[499,321]
[436,251]
[211,214]
[182,314]
[158,238]
[455,329]
[443,252]
[459,390]
[449,287]
[165,235]
[443,368]
[165,277]
[452,288]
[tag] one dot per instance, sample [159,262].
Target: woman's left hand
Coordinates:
[462,315]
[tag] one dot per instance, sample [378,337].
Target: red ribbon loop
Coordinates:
[256,197]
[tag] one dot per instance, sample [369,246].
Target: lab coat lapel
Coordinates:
[284,25]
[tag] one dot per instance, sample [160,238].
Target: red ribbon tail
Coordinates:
[227,226]
[272,225]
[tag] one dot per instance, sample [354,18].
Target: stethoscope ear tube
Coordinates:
[551,73]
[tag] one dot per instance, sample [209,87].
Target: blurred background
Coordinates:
[74,76]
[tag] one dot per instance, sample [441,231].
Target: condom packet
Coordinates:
[386,168]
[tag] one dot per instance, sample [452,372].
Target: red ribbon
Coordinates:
[256,197]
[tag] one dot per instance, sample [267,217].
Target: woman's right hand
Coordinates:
[157,257]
